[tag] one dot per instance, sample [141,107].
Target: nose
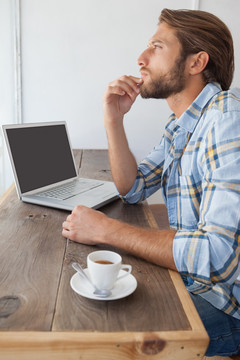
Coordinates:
[143,58]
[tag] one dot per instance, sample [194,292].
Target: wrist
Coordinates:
[110,227]
[113,122]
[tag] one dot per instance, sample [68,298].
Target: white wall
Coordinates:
[6,85]
[228,11]
[71,49]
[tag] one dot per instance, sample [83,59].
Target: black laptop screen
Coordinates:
[41,155]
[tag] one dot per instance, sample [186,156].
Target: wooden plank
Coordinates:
[31,259]
[160,215]
[77,153]
[132,214]
[95,165]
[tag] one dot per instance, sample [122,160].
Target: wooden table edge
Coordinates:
[83,336]
[188,306]
[4,196]
[117,345]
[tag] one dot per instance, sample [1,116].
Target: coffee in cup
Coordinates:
[105,262]
[104,267]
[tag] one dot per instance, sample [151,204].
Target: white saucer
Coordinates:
[121,289]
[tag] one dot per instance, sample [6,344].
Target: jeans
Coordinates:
[223,330]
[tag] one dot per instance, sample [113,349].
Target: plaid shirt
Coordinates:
[197,165]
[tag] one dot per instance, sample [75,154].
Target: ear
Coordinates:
[198,62]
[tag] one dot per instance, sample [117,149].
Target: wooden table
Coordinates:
[41,317]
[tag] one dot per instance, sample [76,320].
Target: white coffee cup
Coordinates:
[104,267]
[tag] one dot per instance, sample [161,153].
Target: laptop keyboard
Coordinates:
[71,189]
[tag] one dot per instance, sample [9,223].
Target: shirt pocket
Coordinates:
[190,199]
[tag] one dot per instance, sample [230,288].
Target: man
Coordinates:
[189,62]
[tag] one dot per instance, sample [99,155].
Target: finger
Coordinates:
[66,225]
[137,80]
[132,81]
[122,87]
[65,233]
[126,83]
[116,90]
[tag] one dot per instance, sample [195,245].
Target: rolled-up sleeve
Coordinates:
[149,176]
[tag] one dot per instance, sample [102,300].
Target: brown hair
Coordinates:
[201,31]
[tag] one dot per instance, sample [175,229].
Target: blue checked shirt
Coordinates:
[197,165]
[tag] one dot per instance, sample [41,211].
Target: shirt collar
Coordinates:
[189,119]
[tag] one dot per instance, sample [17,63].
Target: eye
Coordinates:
[157,46]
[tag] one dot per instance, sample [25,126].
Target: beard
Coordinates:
[166,85]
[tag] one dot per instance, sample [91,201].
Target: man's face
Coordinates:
[162,66]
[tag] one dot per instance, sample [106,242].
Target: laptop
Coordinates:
[45,171]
